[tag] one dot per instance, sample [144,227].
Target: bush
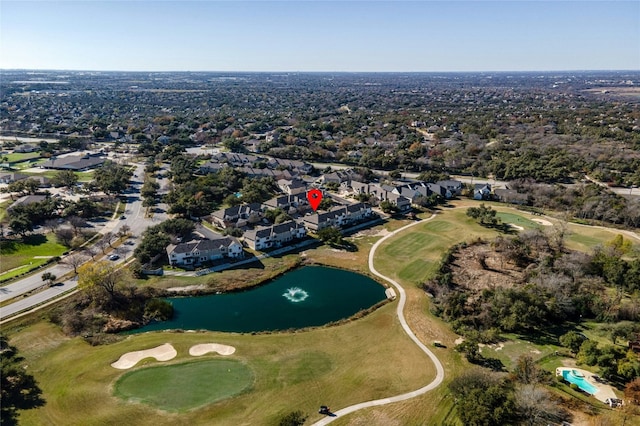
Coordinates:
[158,310]
[574,387]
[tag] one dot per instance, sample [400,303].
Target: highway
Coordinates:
[134,218]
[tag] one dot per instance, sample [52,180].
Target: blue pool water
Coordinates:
[581,382]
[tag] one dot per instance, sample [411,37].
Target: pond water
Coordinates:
[305,297]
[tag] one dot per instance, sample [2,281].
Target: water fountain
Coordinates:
[296,294]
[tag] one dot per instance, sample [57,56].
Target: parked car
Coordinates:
[114,257]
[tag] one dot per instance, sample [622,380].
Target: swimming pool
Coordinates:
[575,377]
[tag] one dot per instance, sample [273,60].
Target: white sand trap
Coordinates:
[161,353]
[543,222]
[518,227]
[205,348]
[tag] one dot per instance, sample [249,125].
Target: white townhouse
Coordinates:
[196,252]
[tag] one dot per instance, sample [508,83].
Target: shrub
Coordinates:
[158,310]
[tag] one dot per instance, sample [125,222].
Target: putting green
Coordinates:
[181,387]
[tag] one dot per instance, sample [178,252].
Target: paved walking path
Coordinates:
[403,298]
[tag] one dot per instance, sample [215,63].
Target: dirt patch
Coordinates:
[371,233]
[480,267]
[188,288]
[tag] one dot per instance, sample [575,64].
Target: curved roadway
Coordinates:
[403,298]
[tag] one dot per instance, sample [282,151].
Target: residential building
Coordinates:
[454,187]
[380,194]
[290,204]
[264,237]
[339,216]
[482,191]
[237,216]
[292,186]
[196,252]
[11,177]
[73,162]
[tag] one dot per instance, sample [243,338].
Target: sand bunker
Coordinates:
[161,353]
[205,348]
[543,222]
[518,227]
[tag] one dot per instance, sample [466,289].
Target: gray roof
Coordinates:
[201,245]
[73,162]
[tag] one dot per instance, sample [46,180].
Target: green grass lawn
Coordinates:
[82,176]
[182,387]
[413,256]
[518,220]
[337,366]
[360,360]
[16,253]
[3,208]
[17,157]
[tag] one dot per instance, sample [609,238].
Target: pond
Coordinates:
[305,297]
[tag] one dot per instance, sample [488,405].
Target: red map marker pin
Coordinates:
[315,197]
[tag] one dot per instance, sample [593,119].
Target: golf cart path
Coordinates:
[403,298]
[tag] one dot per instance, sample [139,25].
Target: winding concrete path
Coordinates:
[400,310]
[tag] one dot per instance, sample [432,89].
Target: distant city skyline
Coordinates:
[320,36]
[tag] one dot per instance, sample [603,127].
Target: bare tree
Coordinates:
[537,407]
[64,236]
[102,244]
[74,260]
[109,237]
[51,224]
[77,223]
[89,251]
[123,231]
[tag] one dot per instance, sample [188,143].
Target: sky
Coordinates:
[353,36]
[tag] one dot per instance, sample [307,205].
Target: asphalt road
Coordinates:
[134,218]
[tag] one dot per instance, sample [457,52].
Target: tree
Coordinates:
[30,185]
[388,207]
[527,372]
[294,418]
[99,276]
[18,389]
[325,204]
[65,178]
[64,236]
[588,353]
[112,178]
[469,347]
[485,215]
[109,238]
[483,399]
[330,235]
[49,278]
[20,224]
[536,406]
[572,340]
[77,223]
[123,231]
[632,391]
[51,224]
[75,260]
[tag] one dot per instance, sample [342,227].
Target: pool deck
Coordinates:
[603,392]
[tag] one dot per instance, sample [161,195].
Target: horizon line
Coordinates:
[316,72]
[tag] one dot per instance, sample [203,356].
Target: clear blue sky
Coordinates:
[320,35]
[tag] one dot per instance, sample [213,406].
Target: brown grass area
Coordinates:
[479,266]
